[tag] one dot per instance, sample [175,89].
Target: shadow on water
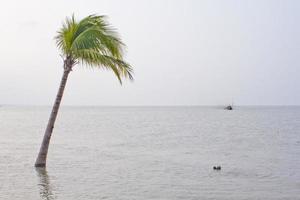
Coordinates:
[44,184]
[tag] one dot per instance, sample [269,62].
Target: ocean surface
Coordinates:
[143,153]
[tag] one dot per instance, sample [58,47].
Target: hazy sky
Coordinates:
[184,52]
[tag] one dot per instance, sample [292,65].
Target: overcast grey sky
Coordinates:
[184,52]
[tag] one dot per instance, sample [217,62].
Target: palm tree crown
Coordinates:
[92,41]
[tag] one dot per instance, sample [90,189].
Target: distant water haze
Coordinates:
[183,53]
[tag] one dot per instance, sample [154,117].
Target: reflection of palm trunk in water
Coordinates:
[44,185]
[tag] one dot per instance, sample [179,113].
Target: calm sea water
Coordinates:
[146,153]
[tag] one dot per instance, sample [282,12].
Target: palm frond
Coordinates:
[94,42]
[94,58]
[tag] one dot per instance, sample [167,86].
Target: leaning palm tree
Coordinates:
[93,42]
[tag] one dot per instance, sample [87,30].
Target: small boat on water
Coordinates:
[229,107]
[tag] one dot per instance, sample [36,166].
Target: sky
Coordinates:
[191,52]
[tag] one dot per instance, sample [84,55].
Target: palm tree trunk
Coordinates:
[41,159]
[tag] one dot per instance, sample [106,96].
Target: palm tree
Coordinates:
[93,42]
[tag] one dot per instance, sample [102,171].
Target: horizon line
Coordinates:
[147,105]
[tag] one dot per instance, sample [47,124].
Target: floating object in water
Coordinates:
[228,107]
[217,167]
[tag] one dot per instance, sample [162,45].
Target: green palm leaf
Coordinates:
[92,41]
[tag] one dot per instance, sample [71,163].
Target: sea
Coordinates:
[152,153]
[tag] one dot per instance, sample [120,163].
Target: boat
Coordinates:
[229,107]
